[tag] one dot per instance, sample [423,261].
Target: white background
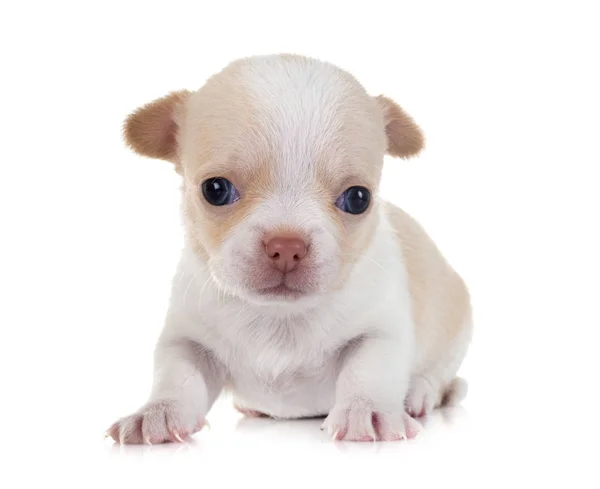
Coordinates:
[507,94]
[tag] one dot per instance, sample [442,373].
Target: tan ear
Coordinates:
[152,129]
[405,138]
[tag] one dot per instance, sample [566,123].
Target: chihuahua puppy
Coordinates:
[299,290]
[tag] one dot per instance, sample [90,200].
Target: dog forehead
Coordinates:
[303,105]
[296,116]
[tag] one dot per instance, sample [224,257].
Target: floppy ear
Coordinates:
[153,128]
[404,137]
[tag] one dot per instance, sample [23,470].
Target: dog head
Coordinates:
[281,158]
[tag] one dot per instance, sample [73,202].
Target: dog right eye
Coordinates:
[219,191]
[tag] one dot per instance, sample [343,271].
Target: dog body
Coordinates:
[299,289]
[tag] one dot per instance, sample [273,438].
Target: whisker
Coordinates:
[372,260]
[188,288]
[200,295]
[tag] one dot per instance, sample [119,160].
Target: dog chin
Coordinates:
[281,295]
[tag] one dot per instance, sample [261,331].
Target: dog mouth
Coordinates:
[281,291]
[266,286]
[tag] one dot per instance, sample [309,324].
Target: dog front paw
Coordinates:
[362,421]
[156,422]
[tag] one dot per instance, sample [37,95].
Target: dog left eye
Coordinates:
[355,200]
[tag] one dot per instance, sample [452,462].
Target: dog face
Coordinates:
[281,158]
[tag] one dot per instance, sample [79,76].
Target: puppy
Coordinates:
[299,290]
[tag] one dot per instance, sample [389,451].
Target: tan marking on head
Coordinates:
[210,225]
[221,138]
[440,300]
[354,232]
[153,129]
[355,159]
[404,136]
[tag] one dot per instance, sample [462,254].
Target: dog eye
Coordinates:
[219,191]
[355,200]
